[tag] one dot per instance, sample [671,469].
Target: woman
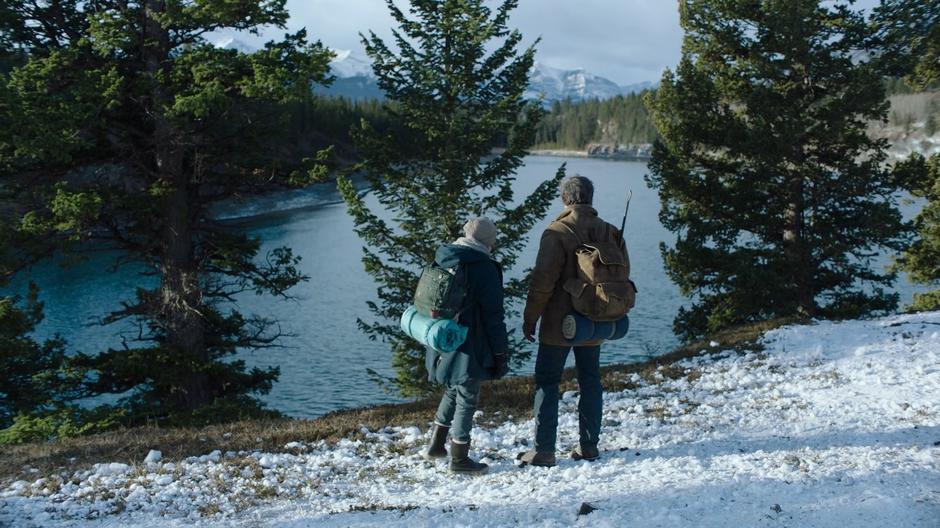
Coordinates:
[484,355]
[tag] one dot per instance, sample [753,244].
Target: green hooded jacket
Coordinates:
[482,314]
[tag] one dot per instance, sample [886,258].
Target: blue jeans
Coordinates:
[457,407]
[549,365]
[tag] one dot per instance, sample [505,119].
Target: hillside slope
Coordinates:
[829,425]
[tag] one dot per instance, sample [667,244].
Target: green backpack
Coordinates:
[441,292]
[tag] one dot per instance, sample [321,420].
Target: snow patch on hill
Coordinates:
[830,425]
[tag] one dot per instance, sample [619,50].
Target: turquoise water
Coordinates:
[324,364]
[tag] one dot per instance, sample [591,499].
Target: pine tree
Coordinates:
[35,377]
[908,40]
[176,123]
[778,198]
[921,177]
[456,81]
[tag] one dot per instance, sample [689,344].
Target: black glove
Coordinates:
[500,365]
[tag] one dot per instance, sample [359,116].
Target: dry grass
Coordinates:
[499,400]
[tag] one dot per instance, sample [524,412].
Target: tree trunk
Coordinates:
[180,290]
[797,254]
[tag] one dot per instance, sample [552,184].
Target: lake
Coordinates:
[324,364]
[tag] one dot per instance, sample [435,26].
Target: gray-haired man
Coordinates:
[549,302]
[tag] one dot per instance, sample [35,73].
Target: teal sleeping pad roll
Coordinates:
[443,335]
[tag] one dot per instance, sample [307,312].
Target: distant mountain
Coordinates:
[345,64]
[355,80]
[555,84]
[354,77]
[233,43]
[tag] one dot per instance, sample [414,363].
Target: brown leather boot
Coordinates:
[536,458]
[460,461]
[438,439]
[585,452]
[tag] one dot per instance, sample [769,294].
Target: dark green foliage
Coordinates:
[321,120]
[34,375]
[134,87]
[456,83]
[573,125]
[908,40]
[921,176]
[778,198]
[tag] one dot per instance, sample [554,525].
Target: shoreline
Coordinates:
[562,153]
[559,153]
[252,208]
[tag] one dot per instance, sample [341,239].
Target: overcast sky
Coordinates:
[627,41]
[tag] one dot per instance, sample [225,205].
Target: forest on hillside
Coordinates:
[567,125]
[574,124]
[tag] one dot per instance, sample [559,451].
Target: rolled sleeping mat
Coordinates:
[579,329]
[443,335]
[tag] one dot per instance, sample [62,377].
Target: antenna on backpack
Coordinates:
[623,224]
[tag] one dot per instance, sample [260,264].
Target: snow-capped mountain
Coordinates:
[346,64]
[354,79]
[555,84]
[230,42]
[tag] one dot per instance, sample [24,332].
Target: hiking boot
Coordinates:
[583,452]
[436,447]
[537,458]
[460,461]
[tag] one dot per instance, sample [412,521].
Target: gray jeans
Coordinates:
[457,407]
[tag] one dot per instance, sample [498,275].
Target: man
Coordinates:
[548,301]
[484,355]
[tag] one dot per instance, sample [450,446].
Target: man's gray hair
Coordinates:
[576,190]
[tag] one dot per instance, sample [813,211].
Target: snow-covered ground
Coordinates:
[831,425]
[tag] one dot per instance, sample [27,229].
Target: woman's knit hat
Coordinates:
[482,230]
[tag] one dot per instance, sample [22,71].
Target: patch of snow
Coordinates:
[833,424]
[114,468]
[153,457]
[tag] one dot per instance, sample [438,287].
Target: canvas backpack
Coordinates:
[602,291]
[441,291]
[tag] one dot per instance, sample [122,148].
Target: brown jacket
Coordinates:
[556,264]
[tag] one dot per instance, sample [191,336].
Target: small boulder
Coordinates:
[586,508]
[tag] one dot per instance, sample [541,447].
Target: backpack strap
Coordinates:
[573,232]
[462,268]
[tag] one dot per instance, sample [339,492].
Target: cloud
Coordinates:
[627,41]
